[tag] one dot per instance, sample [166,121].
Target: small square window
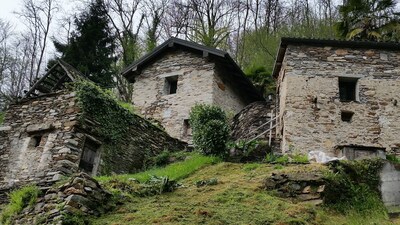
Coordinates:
[348,89]
[346,116]
[171,85]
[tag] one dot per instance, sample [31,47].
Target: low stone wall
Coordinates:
[297,185]
[81,195]
[252,116]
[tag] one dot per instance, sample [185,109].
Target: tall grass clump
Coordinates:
[353,187]
[19,199]
[210,129]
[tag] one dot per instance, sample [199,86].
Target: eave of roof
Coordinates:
[170,43]
[285,41]
[135,68]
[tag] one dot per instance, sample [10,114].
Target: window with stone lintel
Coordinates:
[171,85]
[348,89]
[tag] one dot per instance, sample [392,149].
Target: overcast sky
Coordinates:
[6,9]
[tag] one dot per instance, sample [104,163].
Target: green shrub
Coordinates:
[272,158]
[19,199]
[353,186]
[210,129]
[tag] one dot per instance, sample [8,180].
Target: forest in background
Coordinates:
[101,37]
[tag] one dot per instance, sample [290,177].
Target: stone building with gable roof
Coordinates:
[178,74]
[339,97]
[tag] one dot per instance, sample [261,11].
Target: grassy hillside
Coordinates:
[227,193]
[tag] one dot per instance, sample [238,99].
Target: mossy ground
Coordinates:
[237,198]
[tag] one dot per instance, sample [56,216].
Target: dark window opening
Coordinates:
[89,155]
[171,85]
[36,140]
[347,89]
[187,130]
[346,116]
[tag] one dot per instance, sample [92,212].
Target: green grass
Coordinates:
[2,114]
[19,199]
[175,171]
[237,198]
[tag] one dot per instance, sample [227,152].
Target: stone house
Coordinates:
[178,74]
[45,136]
[339,97]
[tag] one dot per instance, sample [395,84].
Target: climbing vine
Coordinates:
[101,107]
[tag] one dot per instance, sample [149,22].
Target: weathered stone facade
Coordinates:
[45,138]
[176,75]
[38,142]
[198,81]
[314,115]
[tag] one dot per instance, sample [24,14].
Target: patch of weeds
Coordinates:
[284,159]
[278,167]
[154,186]
[161,159]
[299,158]
[209,182]
[393,159]
[75,219]
[251,166]
[352,186]
[126,105]
[270,158]
[19,199]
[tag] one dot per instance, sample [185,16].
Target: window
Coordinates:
[187,130]
[36,140]
[346,116]
[89,155]
[171,85]
[348,89]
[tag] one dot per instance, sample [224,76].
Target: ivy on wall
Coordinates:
[125,136]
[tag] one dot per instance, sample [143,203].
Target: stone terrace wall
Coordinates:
[310,107]
[37,140]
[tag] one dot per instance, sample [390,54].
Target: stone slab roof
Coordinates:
[223,58]
[285,41]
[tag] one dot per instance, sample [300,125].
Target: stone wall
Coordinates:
[81,196]
[198,82]
[224,95]
[37,140]
[44,138]
[390,183]
[310,106]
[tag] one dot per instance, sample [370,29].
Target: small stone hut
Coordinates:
[45,137]
[176,75]
[339,97]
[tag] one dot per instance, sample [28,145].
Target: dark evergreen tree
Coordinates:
[91,46]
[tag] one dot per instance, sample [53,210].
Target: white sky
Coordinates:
[6,10]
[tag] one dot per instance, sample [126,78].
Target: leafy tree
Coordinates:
[261,79]
[369,20]
[91,46]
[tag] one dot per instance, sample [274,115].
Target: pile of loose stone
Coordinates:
[81,195]
[299,186]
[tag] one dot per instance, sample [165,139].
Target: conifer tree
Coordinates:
[91,46]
